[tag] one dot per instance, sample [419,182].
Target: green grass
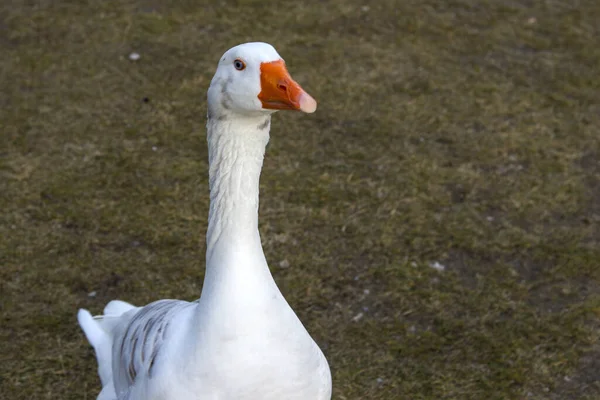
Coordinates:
[464,132]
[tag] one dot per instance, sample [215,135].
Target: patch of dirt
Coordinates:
[556,297]
[584,382]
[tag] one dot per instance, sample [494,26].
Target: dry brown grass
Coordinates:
[465,133]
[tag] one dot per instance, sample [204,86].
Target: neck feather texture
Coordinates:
[236,148]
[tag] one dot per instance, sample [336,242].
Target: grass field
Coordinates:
[461,132]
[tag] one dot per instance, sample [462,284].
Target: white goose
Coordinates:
[240,340]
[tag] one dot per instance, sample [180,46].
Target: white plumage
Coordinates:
[240,340]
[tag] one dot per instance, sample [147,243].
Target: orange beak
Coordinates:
[280,92]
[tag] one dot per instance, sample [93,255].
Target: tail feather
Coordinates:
[116,308]
[100,341]
[99,332]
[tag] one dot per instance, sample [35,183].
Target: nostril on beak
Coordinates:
[282,87]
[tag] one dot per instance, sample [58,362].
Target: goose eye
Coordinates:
[239,65]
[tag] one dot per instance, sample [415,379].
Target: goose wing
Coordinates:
[139,342]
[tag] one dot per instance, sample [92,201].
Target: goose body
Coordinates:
[241,340]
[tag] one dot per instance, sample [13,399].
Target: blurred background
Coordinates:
[435,224]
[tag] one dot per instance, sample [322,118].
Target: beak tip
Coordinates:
[307,103]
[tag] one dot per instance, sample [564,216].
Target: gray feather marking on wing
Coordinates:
[144,336]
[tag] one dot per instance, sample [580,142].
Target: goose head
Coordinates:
[252,79]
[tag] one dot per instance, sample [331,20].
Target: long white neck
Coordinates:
[236,148]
